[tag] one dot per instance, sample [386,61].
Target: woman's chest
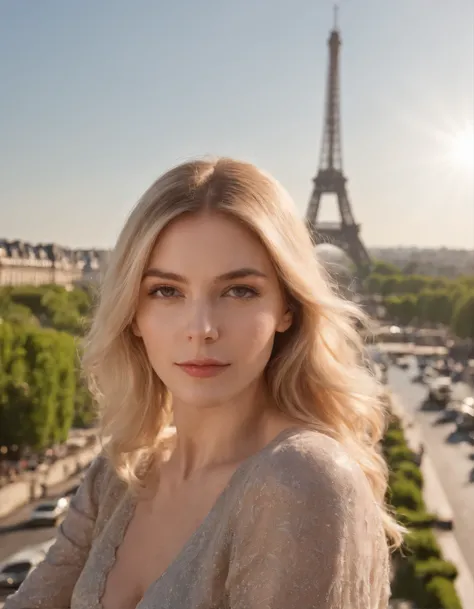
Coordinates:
[154,538]
[172,557]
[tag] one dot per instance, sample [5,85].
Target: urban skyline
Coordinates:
[89,125]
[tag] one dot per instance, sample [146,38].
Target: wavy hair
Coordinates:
[316,373]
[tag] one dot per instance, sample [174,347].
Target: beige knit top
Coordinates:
[296,528]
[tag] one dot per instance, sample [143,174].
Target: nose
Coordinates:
[202,323]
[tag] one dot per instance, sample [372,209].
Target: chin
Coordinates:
[210,393]
[202,399]
[206,393]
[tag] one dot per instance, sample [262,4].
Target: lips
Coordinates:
[203,368]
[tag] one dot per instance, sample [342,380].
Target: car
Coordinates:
[449,414]
[428,375]
[465,419]
[422,362]
[50,512]
[440,390]
[403,362]
[15,569]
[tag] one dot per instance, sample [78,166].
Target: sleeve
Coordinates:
[51,584]
[310,538]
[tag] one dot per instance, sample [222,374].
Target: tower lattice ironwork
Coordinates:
[330,178]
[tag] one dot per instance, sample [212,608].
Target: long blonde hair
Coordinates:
[315,375]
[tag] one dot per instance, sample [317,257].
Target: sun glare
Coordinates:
[461,149]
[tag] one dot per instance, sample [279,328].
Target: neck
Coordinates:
[220,435]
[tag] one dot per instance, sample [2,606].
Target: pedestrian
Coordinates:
[215,314]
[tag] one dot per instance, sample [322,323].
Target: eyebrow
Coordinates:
[236,274]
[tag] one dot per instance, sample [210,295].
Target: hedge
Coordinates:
[434,567]
[414,519]
[423,544]
[422,576]
[399,454]
[406,494]
[410,471]
[441,594]
[394,437]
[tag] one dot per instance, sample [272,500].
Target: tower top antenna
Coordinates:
[336,11]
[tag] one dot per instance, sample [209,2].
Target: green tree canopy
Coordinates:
[37,385]
[463,319]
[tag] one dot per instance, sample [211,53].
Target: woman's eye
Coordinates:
[242,291]
[164,291]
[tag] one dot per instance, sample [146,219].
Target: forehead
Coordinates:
[211,243]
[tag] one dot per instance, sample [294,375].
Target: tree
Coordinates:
[435,306]
[463,318]
[402,308]
[390,284]
[16,313]
[85,409]
[467,281]
[66,371]
[37,386]
[385,268]
[28,296]
[412,284]
[62,312]
[54,306]
[373,283]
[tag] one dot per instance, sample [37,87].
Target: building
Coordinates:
[441,262]
[23,263]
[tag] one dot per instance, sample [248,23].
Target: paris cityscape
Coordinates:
[397,237]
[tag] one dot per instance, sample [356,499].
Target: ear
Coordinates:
[136,329]
[285,321]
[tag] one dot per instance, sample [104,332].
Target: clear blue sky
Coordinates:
[98,98]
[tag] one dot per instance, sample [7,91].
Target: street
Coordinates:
[15,534]
[451,455]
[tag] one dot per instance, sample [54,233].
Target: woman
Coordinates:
[215,316]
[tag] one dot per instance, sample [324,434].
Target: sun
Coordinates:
[461,149]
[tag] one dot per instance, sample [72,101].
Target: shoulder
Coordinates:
[99,472]
[100,479]
[99,467]
[309,486]
[310,467]
[306,532]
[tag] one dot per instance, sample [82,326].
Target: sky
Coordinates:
[97,99]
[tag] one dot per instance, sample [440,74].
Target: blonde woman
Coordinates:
[215,317]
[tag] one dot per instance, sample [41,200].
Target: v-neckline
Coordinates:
[130,503]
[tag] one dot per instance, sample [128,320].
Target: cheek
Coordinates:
[255,332]
[154,332]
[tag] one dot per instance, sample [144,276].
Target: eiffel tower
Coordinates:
[330,178]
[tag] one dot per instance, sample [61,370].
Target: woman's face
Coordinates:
[209,307]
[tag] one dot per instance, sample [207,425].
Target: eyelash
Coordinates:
[155,292]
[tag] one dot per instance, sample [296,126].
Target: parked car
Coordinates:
[440,390]
[403,362]
[15,569]
[465,419]
[49,513]
[429,374]
[422,362]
